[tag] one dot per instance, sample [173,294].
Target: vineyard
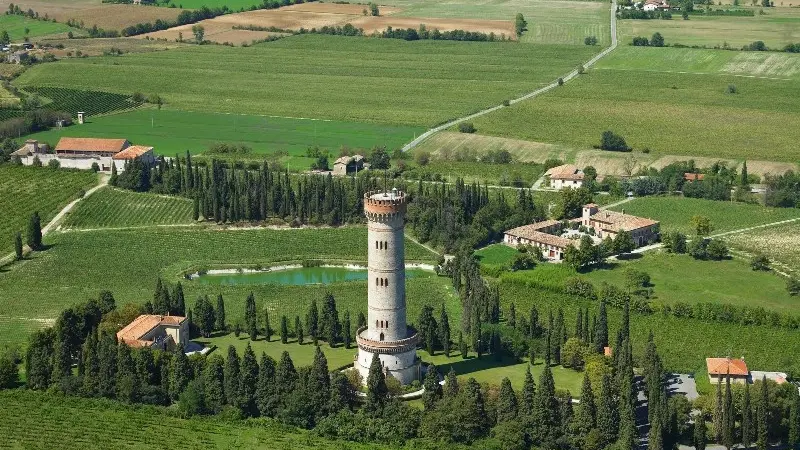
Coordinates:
[24,190]
[130,261]
[782,244]
[31,419]
[90,102]
[111,207]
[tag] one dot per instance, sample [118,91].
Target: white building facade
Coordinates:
[387,333]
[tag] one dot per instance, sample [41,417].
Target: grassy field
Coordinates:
[32,419]
[683,343]
[549,21]
[127,262]
[110,207]
[411,83]
[16,26]
[680,278]
[654,97]
[234,5]
[778,27]
[781,243]
[24,190]
[496,254]
[93,12]
[174,132]
[675,213]
[478,172]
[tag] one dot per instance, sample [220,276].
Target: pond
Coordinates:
[298,276]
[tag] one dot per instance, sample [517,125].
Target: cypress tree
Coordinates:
[625,328]
[607,412]
[91,365]
[231,376]
[34,237]
[444,331]
[181,373]
[451,384]
[528,395]
[18,245]
[533,323]
[284,329]
[362,321]
[178,301]
[107,355]
[220,314]
[719,413]
[250,316]
[213,384]
[475,408]
[601,330]
[377,392]
[747,418]
[196,208]
[330,320]
[544,418]
[265,390]
[286,379]
[531,354]
[700,432]
[248,378]
[794,420]
[743,179]
[268,331]
[298,330]
[586,419]
[729,420]
[512,315]
[161,302]
[762,416]
[507,407]
[433,390]
[312,321]
[347,333]
[127,379]
[579,324]
[655,439]
[547,359]
[320,382]
[462,346]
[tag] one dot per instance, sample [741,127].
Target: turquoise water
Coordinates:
[298,277]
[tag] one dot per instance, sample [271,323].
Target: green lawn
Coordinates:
[16,25]
[496,254]
[419,83]
[681,278]
[654,98]
[33,419]
[233,5]
[778,27]
[175,132]
[478,172]
[24,190]
[675,213]
[549,21]
[127,262]
[111,207]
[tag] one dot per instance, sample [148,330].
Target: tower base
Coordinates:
[398,358]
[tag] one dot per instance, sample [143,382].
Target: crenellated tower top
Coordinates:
[383,205]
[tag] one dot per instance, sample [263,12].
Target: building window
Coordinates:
[386,282]
[387,324]
[376,324]
[385,245]
[381,336]
[376,282]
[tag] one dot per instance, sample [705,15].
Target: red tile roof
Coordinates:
[725,366]
[91,144]
[688,176]
[616,221]
[565,172]
[133,333]
[134,151]
[532,232]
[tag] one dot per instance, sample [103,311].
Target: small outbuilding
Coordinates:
[720,368]
[566,175]
[156,331]
[348,165]
[144,153]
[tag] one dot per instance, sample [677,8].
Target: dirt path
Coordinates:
[621,202]
[566,78]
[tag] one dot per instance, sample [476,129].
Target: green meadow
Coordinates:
[174,132]
[16,25]
[670,101]
[418,83]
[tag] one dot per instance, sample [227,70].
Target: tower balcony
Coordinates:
[388,347]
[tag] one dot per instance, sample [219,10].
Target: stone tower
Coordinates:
[386,332]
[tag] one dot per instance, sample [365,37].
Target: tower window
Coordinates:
[376,324]
[381,336]
[376,245]
[387,324]
[385,245]
[376,282]
[386,282]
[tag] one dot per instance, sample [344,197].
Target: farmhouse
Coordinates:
[653,5]
[720,368]
[31,150]
[155,331]
[609,223]
[347,165]
[144,153]
[68,146]
[542,235]
[82,153]
[566,175]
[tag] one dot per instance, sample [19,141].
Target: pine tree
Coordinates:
[34,237]
[265,389]
[284,329]
[794,420]
[433,390]
[700,432]
[762,416]
[474,406]
[180,373]
[213,384]
[231,376]
[601,330]
[347,333]
[178,301]
[312,321]
[450,384]
[607,412]
[222,325]
[444,331]
[18,245]
[248,378]
[528,394]
[377,392]
[507,407]
[747,418]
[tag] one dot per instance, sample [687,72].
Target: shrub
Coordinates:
[506,103]
[560,81]
[613,142]
[759,262]
[53,164]
[579,287]
[423,158]
[466,127]
[793,286]
[640,41]
[523,261]
[731,89]
[717,250]
[590,40]
[657,40]
[757,46]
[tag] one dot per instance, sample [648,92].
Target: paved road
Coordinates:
[530,95]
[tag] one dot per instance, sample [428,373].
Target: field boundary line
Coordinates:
[686,72]
[529,95]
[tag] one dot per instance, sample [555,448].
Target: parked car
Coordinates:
[27,46]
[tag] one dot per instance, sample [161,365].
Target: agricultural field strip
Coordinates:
[530,95]
[685,72]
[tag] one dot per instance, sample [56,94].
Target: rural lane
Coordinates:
[530,95]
